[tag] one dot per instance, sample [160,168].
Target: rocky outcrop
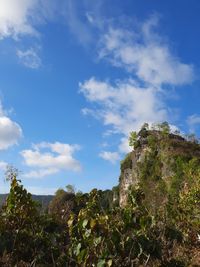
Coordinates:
[130,175]
[153,146]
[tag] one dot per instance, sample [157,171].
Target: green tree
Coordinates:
[27,238]
[62,204]
[70,189]
[132,138]
[164,127]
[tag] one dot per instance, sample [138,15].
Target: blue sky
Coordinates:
[77,76]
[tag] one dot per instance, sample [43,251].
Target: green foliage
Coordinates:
[25,235]
[70,189]
[145,126]
[152,141]
[126,163]
[187,208]
[132,138]
[143,133]
[165,128]
[159,226]
[119,238]
[61,205]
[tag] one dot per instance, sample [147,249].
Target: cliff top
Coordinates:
[158,163]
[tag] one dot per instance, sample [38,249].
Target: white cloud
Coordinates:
[16,17]
[76,23]
[40,173]
[125,106]
[110,156]
[19,18]
[84,19]
[10,131]
[29,58]
[124,145]
[193,121]
[50,158]
[3,165]
[144,53]
[22,18]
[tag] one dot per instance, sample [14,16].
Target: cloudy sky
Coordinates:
[76,76]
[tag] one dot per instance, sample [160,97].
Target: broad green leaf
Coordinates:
[97,241]
[87,232]
[85,222]
[101,263]
[77,250]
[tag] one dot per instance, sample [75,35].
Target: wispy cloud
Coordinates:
[125,105]
[144,53]
[50,158]
[3,165]
[29,58]
[151,67]
[16,18]
[20,19]
[10,131]
[40,173]
[84,19]
[77,22]
[113,157]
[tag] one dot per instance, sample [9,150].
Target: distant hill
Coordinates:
[44,200]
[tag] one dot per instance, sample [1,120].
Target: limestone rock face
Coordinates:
[127,179]
[130,176]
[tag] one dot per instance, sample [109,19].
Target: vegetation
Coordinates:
[159,226]
[126,163]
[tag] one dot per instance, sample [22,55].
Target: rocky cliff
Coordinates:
[154,162]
